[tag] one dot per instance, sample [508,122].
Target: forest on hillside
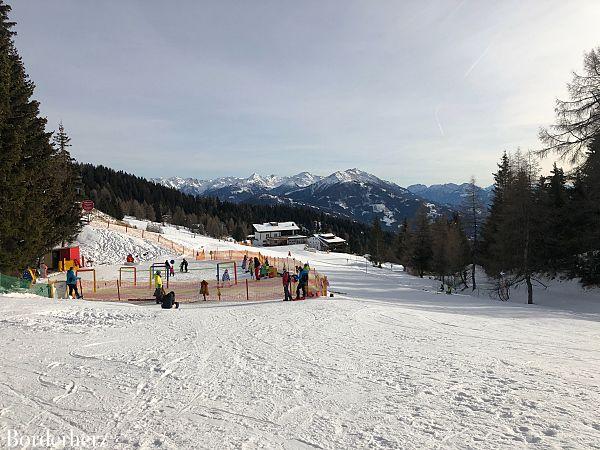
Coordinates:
[118,193]
[537,226]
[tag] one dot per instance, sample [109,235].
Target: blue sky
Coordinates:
[412,91]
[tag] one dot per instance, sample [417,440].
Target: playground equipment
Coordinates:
[63,258]
[128,269]
[186,285]
[231,266]
[77,271]
[153,268]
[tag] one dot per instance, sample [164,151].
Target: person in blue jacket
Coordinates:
[72,283]
[302,282]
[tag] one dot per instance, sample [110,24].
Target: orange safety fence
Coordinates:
[189,290]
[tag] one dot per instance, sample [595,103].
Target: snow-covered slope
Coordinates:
[387,364]
[108,246]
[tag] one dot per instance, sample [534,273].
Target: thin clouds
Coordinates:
[437,119]
[282,87]
[477,61]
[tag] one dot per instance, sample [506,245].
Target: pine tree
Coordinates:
[37,203]
[440,261]
[66,189]
[401,247]
[502,180]
[515,246]
[376,243]
[420,243]
[556,233]
[473,209]
[459,249]
[585,211]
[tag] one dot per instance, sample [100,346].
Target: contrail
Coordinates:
[437,119]
[477,61]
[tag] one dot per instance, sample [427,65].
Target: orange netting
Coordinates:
[189,291]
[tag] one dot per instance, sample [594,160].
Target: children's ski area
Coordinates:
[387,362]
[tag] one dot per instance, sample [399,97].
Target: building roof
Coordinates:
[330,238]
[275,226]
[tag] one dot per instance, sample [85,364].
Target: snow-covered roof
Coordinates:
[275,226]
[330,238]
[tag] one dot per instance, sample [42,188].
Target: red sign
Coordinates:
[87,205]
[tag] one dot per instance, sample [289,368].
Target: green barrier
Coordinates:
[13,284]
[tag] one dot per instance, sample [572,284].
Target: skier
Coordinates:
[264,270]
[28,275]
[168,301]
[244,262]
[256,268]
[225,277]
[287,281]
[185,265]
[251,268]
[72,283]
[302,283]
[43,270]
[172,268]
[204,289]
[158,287]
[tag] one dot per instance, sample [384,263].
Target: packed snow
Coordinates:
[106,246]
[388,362]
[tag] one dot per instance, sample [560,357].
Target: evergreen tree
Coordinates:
[37,204]
[402,243]
[473,209]
[440,260]
[585,211]
[459,249]
[420,243]
[502,180]
[376,243]
[556,235]
[515,247]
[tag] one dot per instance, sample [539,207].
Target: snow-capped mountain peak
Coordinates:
[350,176]
[350,193]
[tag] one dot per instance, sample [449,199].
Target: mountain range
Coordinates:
[351,193]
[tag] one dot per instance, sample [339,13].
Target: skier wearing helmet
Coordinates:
[158,287]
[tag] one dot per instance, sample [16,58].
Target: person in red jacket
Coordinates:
[287,281]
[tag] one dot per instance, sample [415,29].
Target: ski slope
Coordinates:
[387,363]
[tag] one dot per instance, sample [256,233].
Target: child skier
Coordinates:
[256,268]
[168,301]
[72,283]
[225,278]
[159,292]
[302,283]
[287,281]
[204,289]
